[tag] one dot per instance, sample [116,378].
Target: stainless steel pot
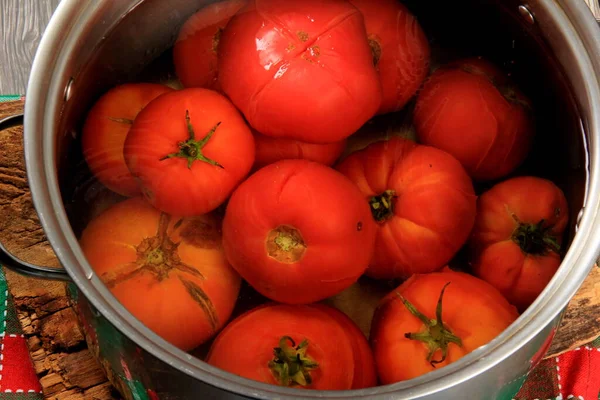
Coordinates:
[553,47]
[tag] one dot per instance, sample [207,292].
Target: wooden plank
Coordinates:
[22,23]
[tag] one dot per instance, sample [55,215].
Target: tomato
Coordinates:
[105,129]
[270,150]
[515,244]
[298,231]
[472,111]
[300,69]
[422,200]
[413,338]
[195,50]
[364,365]
[169,273]
[400,50]
[189,149]
[319,347]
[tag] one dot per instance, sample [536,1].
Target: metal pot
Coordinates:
[552,48]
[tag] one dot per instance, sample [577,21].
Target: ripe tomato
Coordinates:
[195,50]
[105,129]
[410,336]
[470,110]
[400,50]
[270,150]
[517,236]
[300,69]
[169,273]
[298,231]
[189,149]
[422,200]
[304,346]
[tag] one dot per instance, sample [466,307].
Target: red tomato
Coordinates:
[321,348]
[414,338]
[190,149]
[105,129]
[300,69]
[422,200]
[364,365]
[195,51]
[400,50]
[470,110]
[169,273]
[298,231]
[516,241]
[270,150]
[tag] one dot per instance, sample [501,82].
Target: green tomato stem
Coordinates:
[290,365]
[435,335]
[191,149]
[535,238]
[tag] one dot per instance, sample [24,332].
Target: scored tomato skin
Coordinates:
[245,346]
[105,129]
[327,210]
[300,70]
[270,150]
[472,309]
[488,128]
[195,50]
[112,240]
[433,213]
[496,257]
[168,184]
[402,50]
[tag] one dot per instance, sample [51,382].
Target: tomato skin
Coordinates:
[103,138]
[311,76]
[472,310]
[270,150]
[245,346]
[113,241]
[365,375]
[169,184]
[195,50]
[496,257]
[433,213]
[459,110]
[403,63]
[334,224]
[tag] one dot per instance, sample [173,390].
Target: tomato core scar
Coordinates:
[285,244]
[382,206]
[375,49]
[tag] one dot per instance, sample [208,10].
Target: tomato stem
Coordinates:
[435,334]
[191,149]
[535,238]
[382,206]
[290,365]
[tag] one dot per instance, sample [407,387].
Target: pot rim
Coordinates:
[45,93]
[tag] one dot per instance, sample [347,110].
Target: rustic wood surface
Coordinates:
[22,23]
[66,368]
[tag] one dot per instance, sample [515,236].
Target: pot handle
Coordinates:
[9,260]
